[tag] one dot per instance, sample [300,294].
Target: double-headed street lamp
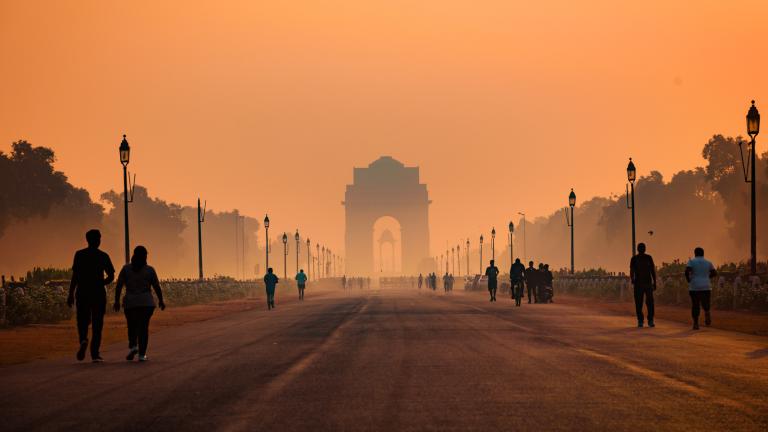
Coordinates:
[200,220]
[125,157]
[285,256]
[632,176]
[753,129]
[266,239]
[317,262]
[569,220]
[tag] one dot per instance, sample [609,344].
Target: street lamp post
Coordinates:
[525,231]
[266,238]
[296,237]
[511,242]
[493,244]
[317,262]
[200,220]
[467,257]
[569,221]
[322,263]
[458,258]
[309,257]
[632,176]
[125,157]
[285,256]
[481,253]
[753,129]
[453,260]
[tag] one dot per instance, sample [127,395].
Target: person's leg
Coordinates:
[639,305]
[83,314]
[144,315]
[98,309]
[130,319]
[650,305]
[529,292]
[695,308]
[705,299]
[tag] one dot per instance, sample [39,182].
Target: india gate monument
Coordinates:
[386,190]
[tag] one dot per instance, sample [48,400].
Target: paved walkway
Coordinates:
[398,360]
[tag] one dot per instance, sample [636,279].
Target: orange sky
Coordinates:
[267,106]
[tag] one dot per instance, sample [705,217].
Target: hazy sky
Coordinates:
[266,106]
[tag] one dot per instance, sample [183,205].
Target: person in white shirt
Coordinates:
[698,274]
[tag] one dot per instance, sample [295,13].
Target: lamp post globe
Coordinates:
[753,121]
[266,240]
[572,198]
[631,171]
[125,151]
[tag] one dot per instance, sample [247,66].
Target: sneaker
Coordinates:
[651,324]
[143,358]
[695,326]
[132,353]
[81,351]
[639,324]
[707,319]
[97,359]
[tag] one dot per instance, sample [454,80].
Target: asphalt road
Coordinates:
[397,360]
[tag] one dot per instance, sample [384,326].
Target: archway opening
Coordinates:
[387,247]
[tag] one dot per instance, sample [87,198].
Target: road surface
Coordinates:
[395,360]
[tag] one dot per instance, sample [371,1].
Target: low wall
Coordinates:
[729,291]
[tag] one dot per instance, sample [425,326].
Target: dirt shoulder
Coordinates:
[741,321]
[45,341]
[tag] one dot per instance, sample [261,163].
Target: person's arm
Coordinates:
[653,273]
[688,271]
[119,289]
[73,283]
[158,290]
[712,272]
[110,270]
[632,270]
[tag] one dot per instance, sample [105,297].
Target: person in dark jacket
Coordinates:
[517,278]
[270,281]
[642,274]
[301,282]
[139,279]
[531,282]
[92,270]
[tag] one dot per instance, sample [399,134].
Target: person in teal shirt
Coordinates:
[301,281]
[270,281]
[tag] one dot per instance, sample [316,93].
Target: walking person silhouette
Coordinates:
[698,273]
[642,273]
[517,277]
[492,272]
[139,279]
[531,282]
[301,280]
[270,281]
[86,290]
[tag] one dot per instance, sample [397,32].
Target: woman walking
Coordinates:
[139,279]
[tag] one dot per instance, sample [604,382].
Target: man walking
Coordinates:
[421,280]
[270,282]
[86,290]
[492,272]
[301,280]
[517,277]
[642,274]
[698,274]
[531,281]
